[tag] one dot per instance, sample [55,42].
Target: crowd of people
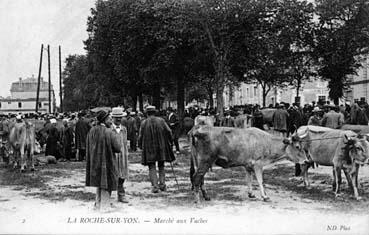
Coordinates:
[105,139]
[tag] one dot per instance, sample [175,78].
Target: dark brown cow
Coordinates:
[251,148]
[22,141]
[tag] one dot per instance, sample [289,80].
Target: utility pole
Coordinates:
[39,78]
[60,82]
[48,59]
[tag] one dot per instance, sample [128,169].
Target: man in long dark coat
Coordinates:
[155,141]
[101,167]
[81,130]
[132,130]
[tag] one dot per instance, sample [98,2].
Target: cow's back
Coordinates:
[239,146]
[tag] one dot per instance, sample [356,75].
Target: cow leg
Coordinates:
[23,160]
[259,177]
[354,177]
[306,176]
[31,156]
[199,178]
[348,178]
[338,180]
[249,183]
[192,172]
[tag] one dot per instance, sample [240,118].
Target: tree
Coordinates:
[76,87]
[341,40]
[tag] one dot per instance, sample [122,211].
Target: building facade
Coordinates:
[358,85]
[315,90]
[23,97]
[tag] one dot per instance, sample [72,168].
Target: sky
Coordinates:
[26,24]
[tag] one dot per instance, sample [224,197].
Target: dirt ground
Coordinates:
[56,193]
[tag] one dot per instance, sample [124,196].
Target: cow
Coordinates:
[251,148]
[340,149]
[199,121]
[22,141]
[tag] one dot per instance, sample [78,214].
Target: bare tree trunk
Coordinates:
[156,96]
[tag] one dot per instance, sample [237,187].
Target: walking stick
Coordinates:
[175,178]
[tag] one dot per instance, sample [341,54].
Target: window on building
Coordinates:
[46,104]
[255,91]
[9,102]
[19,104]
[247,93]
[356,100]
[362,99]
[0,104]
[322,99]
[39,104]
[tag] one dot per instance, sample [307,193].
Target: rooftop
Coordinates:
[29,84]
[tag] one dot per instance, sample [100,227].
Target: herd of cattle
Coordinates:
[253,149]
[250,148]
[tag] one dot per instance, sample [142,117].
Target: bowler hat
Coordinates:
[117,112]
[102,115]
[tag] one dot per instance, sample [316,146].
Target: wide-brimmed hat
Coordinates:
[102,115]
[117,112]
[150,108]
[316,109]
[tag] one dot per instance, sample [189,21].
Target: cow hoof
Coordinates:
[266,199]
[251,195]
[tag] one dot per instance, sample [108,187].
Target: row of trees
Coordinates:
[164,47]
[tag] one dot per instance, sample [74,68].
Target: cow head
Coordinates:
[357,149]
[294,149]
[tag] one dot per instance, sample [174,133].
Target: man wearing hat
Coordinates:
[316,119]
[155,141]
[101,162]
[280,118]
[332,119]
[81,130]
[122,157]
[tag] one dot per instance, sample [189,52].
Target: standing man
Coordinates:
[174,126]
[258,120]
[68,139]
[332,119]
[155,141]
[101,162]
[122,157]
[280,117]
[81,130]
[132,130]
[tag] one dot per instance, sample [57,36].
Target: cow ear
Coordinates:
[346,138]
[286,141]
